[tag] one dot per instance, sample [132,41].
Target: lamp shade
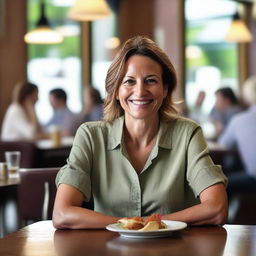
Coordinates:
[89,10]
[112,42]
[238,32]
[43,34]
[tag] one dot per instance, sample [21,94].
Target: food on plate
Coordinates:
[150,226]
[132,223]
[151,223]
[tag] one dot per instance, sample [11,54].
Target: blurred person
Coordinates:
[93,105]
[144,158]
[226,106]
[20,121]
[63,117]
[240,134]
[196,112]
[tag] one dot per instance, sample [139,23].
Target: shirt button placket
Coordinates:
[136,197]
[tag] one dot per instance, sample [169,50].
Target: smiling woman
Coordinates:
[143,158]
[119,66]
[141,92]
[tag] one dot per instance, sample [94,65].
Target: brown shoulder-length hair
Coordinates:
[22,91]
[143,46]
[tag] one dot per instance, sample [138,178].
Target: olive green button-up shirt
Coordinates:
[177,171]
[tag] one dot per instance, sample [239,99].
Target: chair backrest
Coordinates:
[36,193]
[27,149]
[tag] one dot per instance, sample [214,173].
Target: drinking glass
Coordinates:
[12,159]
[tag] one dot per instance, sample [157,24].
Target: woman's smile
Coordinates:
[141,102]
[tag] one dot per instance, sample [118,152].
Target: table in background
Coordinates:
[52,156]
[39,154]
[42,239]
[220,153]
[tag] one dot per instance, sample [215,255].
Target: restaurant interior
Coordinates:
[195,34]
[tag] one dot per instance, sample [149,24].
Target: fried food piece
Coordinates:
[156,218]
[152,223]
[150,226]
[132,223]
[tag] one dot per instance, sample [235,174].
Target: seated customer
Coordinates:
[20,121]
[240,132]
[62,116]
[196,111]
[226,106]
[93,105]
[143,158]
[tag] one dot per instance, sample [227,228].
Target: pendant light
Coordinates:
[238,32]
[112,43]
[89,10]
[43,34]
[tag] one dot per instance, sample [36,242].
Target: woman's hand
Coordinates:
[213,208]
[68,213]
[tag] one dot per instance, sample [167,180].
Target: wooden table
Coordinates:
[219,153]
[42,239]
[51,156]
[9,182]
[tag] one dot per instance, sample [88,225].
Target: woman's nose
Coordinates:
[140,88]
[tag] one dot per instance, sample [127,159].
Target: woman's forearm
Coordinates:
[204,213]
[213,208]
[74,217]
[68,213]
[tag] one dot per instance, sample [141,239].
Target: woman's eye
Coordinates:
[129,82]
[151,81]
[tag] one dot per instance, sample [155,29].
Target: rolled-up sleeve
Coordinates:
[201,171]
[77,171]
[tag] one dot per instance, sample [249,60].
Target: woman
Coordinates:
[143,158]
[20,121]
[93,105]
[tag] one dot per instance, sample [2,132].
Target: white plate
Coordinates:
[171,226]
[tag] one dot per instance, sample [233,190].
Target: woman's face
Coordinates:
[34,96]
[141,92]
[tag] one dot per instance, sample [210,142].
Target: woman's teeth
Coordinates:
[140,102]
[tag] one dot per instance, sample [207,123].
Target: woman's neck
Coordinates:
[141,132]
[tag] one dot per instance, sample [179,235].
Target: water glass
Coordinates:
[13,162]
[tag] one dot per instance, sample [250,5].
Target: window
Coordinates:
[104,45]
[211,62]
[52,66]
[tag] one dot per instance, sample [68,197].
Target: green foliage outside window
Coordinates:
[57,16]
[222,55]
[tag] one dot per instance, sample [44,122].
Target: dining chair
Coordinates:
[36,193]
[242,210]
[27,149]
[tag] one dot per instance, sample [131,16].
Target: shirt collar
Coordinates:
[165,134]
[164,139]
[116,133]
